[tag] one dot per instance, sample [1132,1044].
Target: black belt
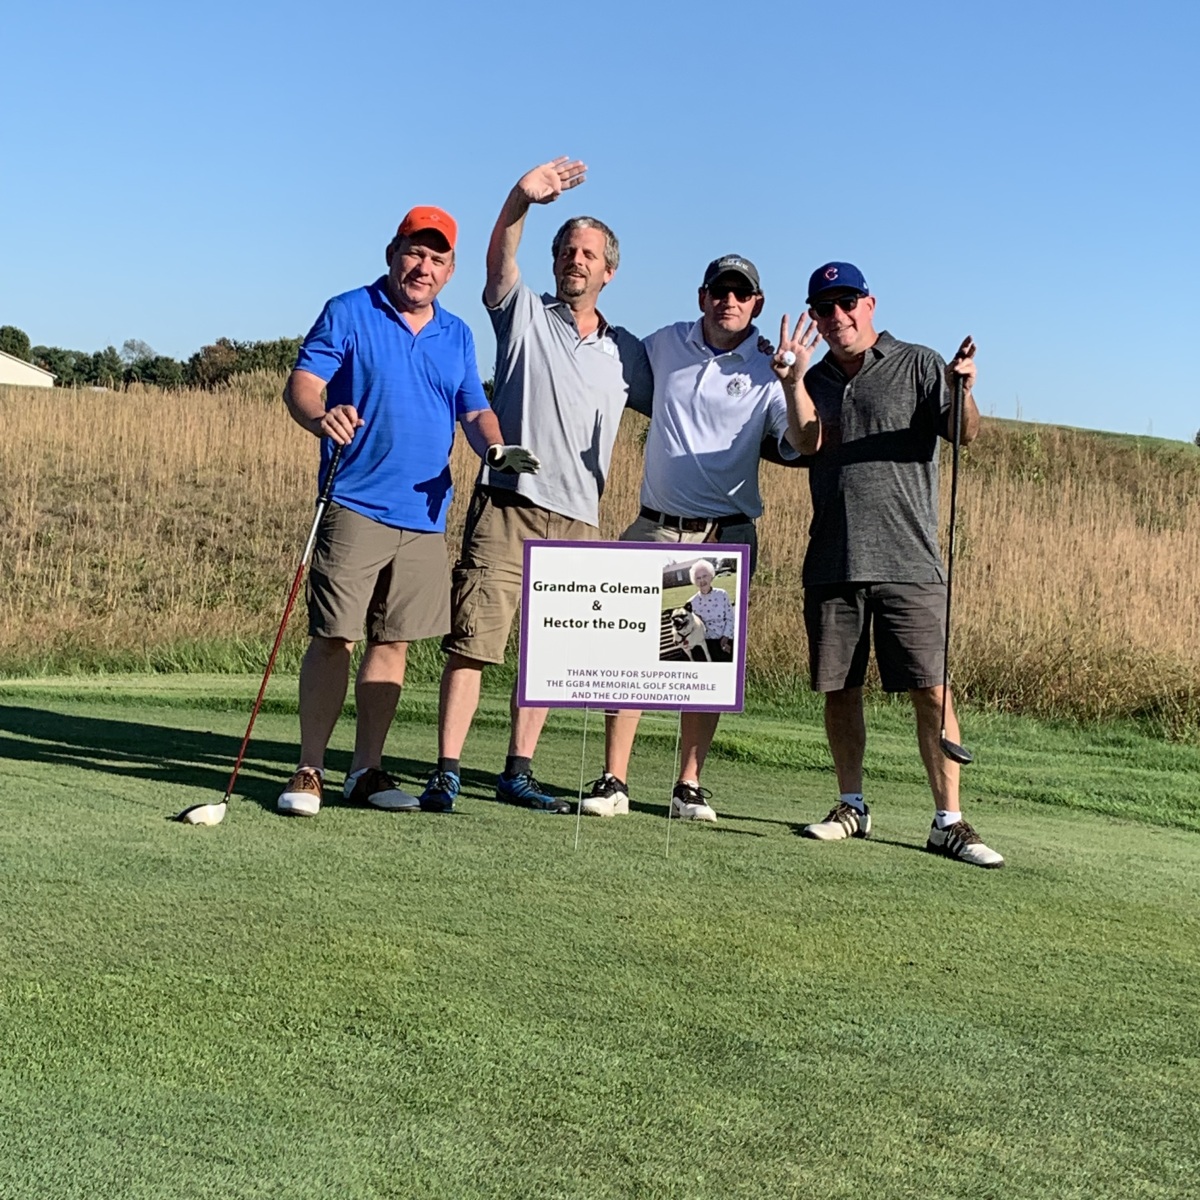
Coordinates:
[692,524]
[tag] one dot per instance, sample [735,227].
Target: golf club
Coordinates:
[952,750]
[214,814]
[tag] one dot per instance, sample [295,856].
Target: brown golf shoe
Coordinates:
[303,795]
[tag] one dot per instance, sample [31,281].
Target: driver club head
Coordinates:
[955,752]
[202,814]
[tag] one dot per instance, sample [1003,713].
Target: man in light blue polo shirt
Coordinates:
[386,373]
[564,376]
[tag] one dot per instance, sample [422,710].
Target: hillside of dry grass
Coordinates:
[151,529]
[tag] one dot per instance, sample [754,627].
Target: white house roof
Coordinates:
[31,366]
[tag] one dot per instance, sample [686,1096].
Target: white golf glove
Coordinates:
[513,458]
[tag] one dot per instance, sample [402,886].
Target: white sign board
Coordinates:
[634,625]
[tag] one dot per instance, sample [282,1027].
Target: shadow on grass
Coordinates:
[168,754]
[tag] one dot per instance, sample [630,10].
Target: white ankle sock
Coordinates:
[944,819]
[855,800]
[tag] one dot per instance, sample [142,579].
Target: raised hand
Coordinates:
[544,184]
[963,363]
[795,350]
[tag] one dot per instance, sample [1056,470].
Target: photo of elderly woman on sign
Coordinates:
[713,607]
[700,628]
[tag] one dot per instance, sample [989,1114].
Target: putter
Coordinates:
[214,814]
[952,750]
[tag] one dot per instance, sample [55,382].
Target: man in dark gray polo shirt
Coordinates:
[873,557]
[564,376]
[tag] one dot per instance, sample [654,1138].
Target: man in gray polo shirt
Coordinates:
[564,376]
[873,555]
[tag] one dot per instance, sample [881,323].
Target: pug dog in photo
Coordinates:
[689,630]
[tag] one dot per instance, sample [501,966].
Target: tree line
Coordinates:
[137,362]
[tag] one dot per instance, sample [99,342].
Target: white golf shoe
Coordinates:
[843,821]
[961,842]
[690,802]
[609,798]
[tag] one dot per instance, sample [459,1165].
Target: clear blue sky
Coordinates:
[1025,172]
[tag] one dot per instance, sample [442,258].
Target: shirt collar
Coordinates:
[743,349]
[883,345]
[380,292]
[604,329]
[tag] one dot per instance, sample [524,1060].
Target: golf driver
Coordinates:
[952,750]
[214,814]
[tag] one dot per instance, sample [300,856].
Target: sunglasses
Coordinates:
[824,308]
[742,294]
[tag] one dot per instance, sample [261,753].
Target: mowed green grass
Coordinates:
[375,1005]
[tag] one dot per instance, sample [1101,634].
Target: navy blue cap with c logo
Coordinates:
[836,276]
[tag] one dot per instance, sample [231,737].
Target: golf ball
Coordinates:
[789,359]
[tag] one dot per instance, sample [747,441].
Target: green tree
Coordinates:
[278,356]
[15,341]
[73,367]
[107,368]
[158,370]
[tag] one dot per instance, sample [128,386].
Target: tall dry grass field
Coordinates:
[161,530]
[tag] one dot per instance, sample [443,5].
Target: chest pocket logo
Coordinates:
[738,386]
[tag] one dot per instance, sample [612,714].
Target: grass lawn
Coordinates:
[375,1005]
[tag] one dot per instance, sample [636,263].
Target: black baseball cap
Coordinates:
[732,264]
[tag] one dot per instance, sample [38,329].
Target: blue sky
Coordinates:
[1026,172]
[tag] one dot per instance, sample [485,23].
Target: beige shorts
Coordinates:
[645,530]
[486,588]
[396,582]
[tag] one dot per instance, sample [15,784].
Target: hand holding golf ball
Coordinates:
[796,347]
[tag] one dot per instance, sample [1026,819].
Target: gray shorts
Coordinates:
[396,582]
[909,621]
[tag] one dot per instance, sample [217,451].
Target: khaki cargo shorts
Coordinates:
[486,583]
[395,582]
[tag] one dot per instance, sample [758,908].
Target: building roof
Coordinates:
[26,363]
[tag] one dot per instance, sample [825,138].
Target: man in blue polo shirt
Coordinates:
[397,372]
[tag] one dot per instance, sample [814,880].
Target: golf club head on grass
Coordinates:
[955,752]
[202,814]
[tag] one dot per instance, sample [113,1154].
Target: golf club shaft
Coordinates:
[956,441]
[322,504]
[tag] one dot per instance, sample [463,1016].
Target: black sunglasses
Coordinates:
[824,308]
[742,294]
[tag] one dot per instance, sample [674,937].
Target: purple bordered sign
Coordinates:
[634,625]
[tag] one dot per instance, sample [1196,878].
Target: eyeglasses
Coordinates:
[824,308]
[720,291]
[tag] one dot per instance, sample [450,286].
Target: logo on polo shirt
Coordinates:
[738,386]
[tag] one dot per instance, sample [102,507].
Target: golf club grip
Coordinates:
[327,487]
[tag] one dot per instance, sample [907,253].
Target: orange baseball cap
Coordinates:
[425,216]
